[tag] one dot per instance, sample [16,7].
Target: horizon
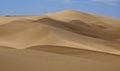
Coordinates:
[108,8]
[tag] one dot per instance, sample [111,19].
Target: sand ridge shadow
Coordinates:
[79,27]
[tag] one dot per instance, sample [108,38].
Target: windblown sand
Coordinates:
[62,41]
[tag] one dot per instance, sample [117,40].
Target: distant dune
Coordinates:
[72,36]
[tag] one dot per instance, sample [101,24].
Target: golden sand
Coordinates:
[62,41]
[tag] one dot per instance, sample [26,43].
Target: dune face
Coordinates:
[62,41]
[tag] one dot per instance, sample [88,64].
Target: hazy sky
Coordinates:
[36,7]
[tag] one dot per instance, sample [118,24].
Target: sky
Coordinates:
[37,7]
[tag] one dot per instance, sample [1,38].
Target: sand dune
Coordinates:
[80,27]
[69,35]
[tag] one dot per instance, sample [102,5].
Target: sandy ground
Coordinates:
[62,41]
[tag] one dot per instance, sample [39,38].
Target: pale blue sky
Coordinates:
[36,7]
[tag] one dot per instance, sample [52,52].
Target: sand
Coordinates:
[62,41]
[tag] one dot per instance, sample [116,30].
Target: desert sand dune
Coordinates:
[28,31]
[62,41]
[79,27]
[97,21]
